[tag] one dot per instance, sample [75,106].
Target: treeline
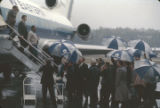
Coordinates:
[149,35]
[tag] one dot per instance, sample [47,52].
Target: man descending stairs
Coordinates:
[9,46]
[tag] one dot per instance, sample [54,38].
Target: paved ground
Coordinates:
[11,93]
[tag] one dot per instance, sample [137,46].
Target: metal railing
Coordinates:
[42,55]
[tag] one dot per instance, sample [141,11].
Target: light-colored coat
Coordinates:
[33,38]
[122,92]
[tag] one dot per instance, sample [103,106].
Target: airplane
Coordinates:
[51,26]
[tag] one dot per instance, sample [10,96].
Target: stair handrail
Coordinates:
[43,53]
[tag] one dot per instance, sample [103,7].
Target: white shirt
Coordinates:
[33,38]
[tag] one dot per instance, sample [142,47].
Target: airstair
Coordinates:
[12,47]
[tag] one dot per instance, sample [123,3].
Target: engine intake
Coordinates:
[51,3]
[83,31]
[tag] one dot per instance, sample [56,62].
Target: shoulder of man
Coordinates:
[11,12]
[30,32]
[20,23]
[94,68]
[85,65]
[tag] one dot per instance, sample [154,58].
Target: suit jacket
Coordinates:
[94,74]
[70,85]
[83,75]
[22,29]
[47,76]
[107,77]
[11,18]
[85,72]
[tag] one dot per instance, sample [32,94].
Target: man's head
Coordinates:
[113,61]
[81,60]
[49,60]
[15,8]
[93,61]
[120,63]
[33,28]
[100,59]
[24,18]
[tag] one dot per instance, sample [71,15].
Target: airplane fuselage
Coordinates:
[50,24]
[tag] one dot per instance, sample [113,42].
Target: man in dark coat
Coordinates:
[78,82]
[22,29]
[107,85]
[94,74]
[81,77]
[100,62]
[83,68]
[70,85]
[47,81]
[11,19]
[113,69]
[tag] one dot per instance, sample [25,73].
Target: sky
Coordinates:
[117,13]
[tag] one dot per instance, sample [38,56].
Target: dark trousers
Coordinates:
[78,98]
[113,103]
[51,91]
[74,98]
[33,50]
[106,92]
[149,98]
[86,95]
[23,42]
[94,97]
[123,105]
[140,91]
[70,96]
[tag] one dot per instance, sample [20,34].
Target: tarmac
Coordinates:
[12,93]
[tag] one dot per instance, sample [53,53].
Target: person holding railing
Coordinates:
[11,19]
[22,29]
[33,39]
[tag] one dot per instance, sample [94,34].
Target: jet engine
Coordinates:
[51,3]
[83,31]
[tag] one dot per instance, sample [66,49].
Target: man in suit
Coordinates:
[94,74]
[47,81]
[80,79]
[22,29]
[70,84]
[33,39]
[106,85]
[83,68]
[11,19]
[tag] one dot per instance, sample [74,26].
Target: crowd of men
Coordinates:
[119,83]
[27,39]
